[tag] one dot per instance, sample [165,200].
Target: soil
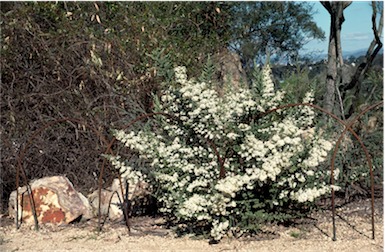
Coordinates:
[353,225]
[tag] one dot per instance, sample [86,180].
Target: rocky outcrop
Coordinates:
[56,201]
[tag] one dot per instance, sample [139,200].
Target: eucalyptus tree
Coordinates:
[272,29]
[335,60]
[336,86]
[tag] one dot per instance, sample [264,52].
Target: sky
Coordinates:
[356,31]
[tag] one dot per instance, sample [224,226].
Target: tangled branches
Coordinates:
[56,63]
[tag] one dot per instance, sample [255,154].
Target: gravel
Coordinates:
[147,234]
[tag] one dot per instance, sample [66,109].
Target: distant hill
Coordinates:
[347,54]
[355,53]
[318,66]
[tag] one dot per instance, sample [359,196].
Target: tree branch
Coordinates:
[327,6]
[371,52]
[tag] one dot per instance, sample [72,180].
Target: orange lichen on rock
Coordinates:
[55,199]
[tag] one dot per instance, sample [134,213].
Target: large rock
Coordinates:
[56,201]
[114,195]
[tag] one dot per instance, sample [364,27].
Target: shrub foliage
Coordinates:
[221,163]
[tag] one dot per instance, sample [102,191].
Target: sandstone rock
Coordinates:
[89,213]
[114,193]
[56,201]
[114,213]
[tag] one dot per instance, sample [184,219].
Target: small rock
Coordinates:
[114,195]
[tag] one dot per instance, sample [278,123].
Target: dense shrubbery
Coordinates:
[102,63]
[354,176]
[270,163]
[57,63]
[90,61]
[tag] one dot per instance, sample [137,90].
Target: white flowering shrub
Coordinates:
[269,162]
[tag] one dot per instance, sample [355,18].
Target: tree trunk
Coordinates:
[335,61]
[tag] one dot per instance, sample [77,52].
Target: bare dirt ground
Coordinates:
[147,234]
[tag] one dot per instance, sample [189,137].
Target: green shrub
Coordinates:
[221,164]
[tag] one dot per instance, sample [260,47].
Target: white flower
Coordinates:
[259,153]
[195,204]
[268,85]
[126,172]
[232,135]
[219,229]
[181,74]
[309,97]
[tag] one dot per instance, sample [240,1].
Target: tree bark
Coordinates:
[335,60]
